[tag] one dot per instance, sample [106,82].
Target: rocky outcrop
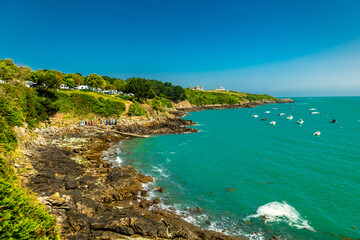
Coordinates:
[94,199]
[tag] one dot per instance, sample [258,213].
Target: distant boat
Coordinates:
[263,119]
[317,133]
[300,121]
[312,109]
[289,117]
[333,121]
[272,123]
[282,114]
[274,108]
[267,111]
[314,113]
[255,116]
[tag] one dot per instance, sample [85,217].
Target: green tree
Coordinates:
[9,69]
[119,84]
[24,73]
[138,86]
[94,80]
[72,80]
[49,78]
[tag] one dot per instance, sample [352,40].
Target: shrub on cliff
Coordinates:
[21,216]
[136,109]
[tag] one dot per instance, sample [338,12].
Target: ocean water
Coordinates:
[257,180]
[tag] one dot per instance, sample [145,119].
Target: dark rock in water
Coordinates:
[199,210]
[207,221]
[160,189]
[156,201]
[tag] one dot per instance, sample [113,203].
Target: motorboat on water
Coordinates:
[314,113]
[317,133]
[282,114]
[333,121]
[272,123]
[255,116]
[263,119]
[289,117]
[267,111]
[312,109]
[274,108]
[300,121]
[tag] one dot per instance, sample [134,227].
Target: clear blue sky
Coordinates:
[284,48]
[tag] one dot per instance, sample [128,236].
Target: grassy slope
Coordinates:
[222,97]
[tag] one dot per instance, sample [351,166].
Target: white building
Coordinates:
[63,86]
[29,84]
[84,87]
[197,88]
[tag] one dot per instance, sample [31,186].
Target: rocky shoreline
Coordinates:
[94,198]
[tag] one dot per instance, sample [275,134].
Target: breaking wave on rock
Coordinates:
[281,212]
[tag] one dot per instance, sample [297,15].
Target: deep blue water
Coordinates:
[238,168]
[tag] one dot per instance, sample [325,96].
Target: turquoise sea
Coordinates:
[238,168]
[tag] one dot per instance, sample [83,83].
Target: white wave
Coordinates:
[118,160]
[161,171]
[281,212]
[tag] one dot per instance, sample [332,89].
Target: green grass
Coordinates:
[81,103]
[136,109]
[222,97]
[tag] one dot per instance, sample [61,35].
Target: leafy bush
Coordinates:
[22,217]
[136,109]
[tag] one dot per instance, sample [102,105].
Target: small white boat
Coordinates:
[267,111]
[272,123]
[255,116]
[317,133]
[314,113]
[282,114]
[274,108]
[289,117]
[312,109]
[300,121]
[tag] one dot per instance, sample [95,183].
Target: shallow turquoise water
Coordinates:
[308,187]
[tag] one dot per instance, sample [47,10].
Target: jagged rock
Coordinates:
[145,203]
[156,201]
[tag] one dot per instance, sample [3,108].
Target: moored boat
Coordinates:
[317,133]
[272,123]
[289,117]
[300,121]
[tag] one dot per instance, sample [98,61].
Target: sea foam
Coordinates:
[281,212]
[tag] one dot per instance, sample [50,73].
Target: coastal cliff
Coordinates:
[93,198]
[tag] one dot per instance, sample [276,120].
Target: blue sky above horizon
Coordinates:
[282,48]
